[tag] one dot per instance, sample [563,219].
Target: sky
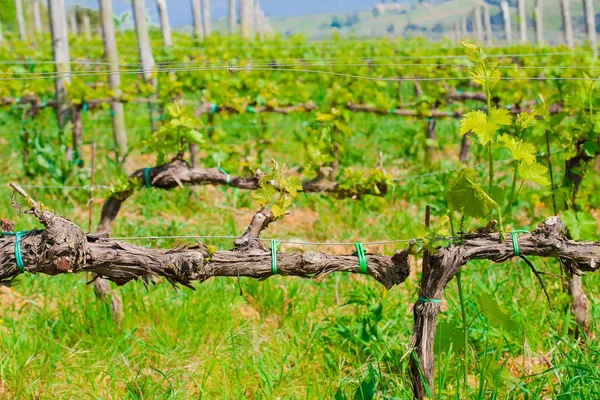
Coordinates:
[180,15]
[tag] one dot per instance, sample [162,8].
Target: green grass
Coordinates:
[283,338]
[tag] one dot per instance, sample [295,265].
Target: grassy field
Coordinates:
[284,338]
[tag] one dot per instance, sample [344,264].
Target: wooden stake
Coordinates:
[37,19]
[522,21]
[244,11]
[145,52]
[73,23]
[87,29]
[114,79]
[590,25]
[256,17]
[77,129]
[565,6]
[478,23]
[21,20]
[164,23]
[488,25]
[507,23]
[91,199]
[539,22]
[231,20]
[206,17]
[456,31]
[465,144]
[62,62]
[198,30]
[463,27]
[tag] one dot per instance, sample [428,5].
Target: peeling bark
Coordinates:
[63,248]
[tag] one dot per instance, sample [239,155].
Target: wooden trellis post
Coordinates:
[488,25]
[590,25]
[539,21]
[21,20]
[565,6]
[37,19]
[244,11]
[231,17]
[87,29]
[206,17]
[264,23]
[145,52]
[198,30]
[478,23]
[165,26]
[456,31]
[73,23]
[256,16]
[62,61]
[507,23]
[463,27]
[522,21]
[114,79]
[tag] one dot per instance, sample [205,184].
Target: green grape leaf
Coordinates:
[469,198]
[445,334]
[485,126]
[498,117]
[492,75]
[581,224]
[420,232]
[591,148]
[291,184]
[264,194]
[193,136]
[525,120]
[496,316]
[520,150]
[278,211]
[472,121]
[534,172]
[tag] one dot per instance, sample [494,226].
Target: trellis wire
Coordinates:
[298,242]
[53,75]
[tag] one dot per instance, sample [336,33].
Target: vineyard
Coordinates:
[381,218]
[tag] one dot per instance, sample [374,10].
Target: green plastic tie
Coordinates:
[515,241]
[84,107]
[274,245]
[392,110]
[250,110]
[426,300]
[228,177]
[18,257]
[43,103]
[111,112]
[147,177]
[213,108]
[362,261]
